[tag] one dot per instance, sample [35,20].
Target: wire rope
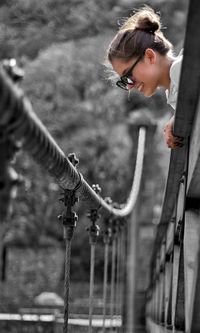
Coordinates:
[91,296]
[16,111]
[118,269]
[113,278]
[105,283]
[67,285]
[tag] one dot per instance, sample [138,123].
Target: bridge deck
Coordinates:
[155,328]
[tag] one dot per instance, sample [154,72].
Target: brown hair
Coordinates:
[140,31]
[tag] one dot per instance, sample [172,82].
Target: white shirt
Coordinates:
[174,73]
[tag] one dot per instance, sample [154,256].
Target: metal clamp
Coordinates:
[69,218]
[94,215]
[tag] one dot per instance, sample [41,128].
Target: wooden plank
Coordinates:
[191,246]
[195,325]
[179,322]
[168,286]
[176,261]
[162,298]
[152,327]
[157,300]
[170,237]
[175,172]
[190,74]
[180,210]
[194,160]
[186,107]
[192,271]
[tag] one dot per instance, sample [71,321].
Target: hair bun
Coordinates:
[145,24]
[144,19]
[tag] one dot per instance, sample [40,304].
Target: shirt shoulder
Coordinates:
[175,70]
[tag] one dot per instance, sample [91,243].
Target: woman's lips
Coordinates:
[138,86]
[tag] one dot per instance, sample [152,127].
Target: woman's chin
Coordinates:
[148,93]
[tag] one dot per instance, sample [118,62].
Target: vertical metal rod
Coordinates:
[118,274]
[117,300]
[105,284]
[1,246]
[123,281]
[91,299]
[131,272]
[66,285]
[112,296]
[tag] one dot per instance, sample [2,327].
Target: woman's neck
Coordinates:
[165,63]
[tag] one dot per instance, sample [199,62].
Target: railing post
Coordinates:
[135,294]
[168,290]
[192,266]
[9,179]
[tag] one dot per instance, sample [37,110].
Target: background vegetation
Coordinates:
[61,46]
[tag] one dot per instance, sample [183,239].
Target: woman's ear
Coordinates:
[150,56]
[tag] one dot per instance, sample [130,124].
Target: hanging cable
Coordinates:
[67,285]
[16,112]
[93,235]
[69,219]
[123,273]
[106,239]
[113,275]
[117,303]
[119,269]
[105,283]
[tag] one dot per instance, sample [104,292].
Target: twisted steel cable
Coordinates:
[118,269]
[113,281]
[122,275]
[67,285]
[91,296]
[105,283]
[20,121]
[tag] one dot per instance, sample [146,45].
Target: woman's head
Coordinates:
[139,40]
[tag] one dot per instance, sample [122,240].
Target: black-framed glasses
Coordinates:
[127,79]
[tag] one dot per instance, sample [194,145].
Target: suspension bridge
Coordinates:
[170,303]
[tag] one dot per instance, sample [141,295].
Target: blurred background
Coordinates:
[61,46]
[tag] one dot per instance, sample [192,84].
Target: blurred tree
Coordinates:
[85,116]
[67,87]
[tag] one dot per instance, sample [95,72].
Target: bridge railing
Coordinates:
[174,292]
[19,123]
[18,120]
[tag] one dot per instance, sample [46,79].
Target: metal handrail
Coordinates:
[18,119]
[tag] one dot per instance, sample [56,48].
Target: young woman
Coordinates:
[143,59]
